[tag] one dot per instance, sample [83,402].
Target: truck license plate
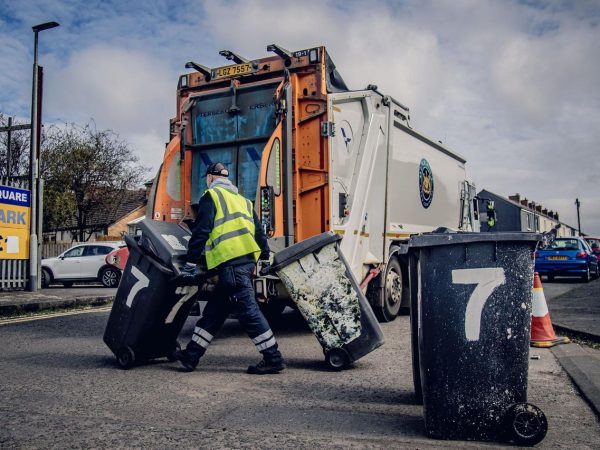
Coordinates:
[230,71]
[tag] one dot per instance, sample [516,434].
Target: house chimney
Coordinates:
[515,198]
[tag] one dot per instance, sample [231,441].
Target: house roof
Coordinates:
[104,216]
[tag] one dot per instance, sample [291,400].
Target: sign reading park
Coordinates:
[15,207]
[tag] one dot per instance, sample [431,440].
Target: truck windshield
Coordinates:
[233,136]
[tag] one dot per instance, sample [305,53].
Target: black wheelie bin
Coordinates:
[471,317]
[153,300]
[322,286]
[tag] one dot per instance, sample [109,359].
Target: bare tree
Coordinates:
[86,172]
[19,149]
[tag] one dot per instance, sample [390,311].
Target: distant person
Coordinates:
[228,234]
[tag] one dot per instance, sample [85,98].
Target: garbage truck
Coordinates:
[314,156]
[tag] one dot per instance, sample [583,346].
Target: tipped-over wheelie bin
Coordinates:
[471,317]
[153,300]
[324,290]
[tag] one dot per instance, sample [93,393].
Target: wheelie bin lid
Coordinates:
[167,241]
[436,239]
[303,248]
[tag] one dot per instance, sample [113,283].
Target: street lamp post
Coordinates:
[33,161]
[578,204]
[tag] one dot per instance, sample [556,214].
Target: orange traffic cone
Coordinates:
[542,332]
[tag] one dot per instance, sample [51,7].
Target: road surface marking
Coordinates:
[52,315]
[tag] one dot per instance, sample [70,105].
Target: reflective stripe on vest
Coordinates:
[232,235]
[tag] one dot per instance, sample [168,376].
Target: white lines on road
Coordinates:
[52,315]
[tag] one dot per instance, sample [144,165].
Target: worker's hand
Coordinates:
[264,266]
[189,270]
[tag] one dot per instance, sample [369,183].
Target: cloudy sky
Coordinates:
[511,85]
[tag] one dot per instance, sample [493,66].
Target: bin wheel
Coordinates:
[171,355]
[337,358]
[525,424]
[125,357]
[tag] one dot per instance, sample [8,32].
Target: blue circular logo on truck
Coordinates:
[425,183]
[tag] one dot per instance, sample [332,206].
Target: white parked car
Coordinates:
[82,262]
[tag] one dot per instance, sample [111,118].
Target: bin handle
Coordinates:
[133,243]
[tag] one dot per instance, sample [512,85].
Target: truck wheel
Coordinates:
[337,359]
[525,424]
[386,309]
[46,278]
[125,357]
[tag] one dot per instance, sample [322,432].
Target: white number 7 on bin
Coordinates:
[487,280]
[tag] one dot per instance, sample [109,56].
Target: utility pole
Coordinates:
[9,129]
[578,204]
[34,160]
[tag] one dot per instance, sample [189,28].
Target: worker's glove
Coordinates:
[189,270]
[264,267]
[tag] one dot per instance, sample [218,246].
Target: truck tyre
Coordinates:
[386,309]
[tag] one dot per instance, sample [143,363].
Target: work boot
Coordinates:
[264,367]
[190,356]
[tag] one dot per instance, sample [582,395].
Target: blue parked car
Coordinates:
[567,257]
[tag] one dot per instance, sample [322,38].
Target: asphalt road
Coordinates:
[60,388]
[559,286]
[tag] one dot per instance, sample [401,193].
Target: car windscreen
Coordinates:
[563,244]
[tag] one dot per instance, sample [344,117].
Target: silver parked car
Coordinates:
[82,262]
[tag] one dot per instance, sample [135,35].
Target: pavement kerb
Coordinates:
[584,369]
[576,333]
[50,303]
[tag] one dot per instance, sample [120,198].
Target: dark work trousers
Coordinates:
[235,294]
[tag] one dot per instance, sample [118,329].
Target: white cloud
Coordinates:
[510,85]
[120,89]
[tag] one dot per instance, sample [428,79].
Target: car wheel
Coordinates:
[46,278]
[109,277]
[587,276]
[596,274]
[67,284]
[550,277]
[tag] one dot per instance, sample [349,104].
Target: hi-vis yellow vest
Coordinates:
[232,235]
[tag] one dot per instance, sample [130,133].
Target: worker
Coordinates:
[228,235]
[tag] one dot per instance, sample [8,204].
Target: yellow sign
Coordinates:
[14,243]
[14,222]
